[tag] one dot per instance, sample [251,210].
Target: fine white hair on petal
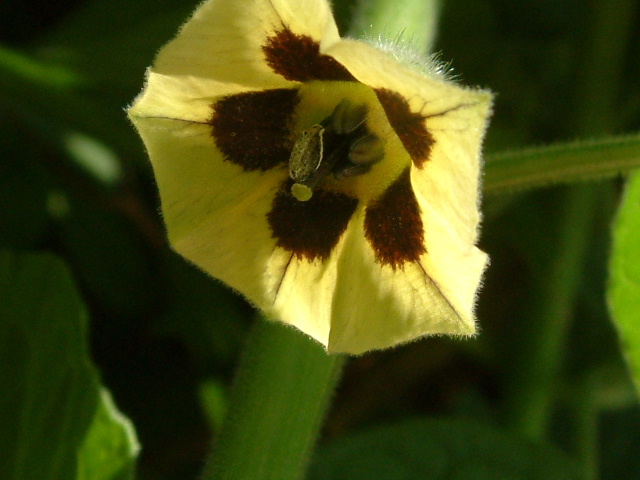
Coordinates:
[407,52]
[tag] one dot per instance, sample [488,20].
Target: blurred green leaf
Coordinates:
[110,447]
[53,106]
[114,60]
[38,72]
[624,282]
[214,395]
[439,449]
[48,387]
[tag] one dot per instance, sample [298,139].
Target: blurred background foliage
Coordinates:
[75,181]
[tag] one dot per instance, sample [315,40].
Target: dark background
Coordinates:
[165,336]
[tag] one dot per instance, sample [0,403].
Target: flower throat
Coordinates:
[341,145]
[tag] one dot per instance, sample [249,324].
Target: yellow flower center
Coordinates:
[343,142]
[341,145]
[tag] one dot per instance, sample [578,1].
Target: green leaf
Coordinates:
[624,284]
[561,163]
[439,449]
[114,60]
[215,401]
[109,449]
[36,72]
[52,101]
[48,387]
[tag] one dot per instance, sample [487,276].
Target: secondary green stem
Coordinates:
[535,370]
[535,367]
[282,389]
[585,421]
[562,163]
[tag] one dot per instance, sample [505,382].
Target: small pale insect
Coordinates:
[305,161]
[341,145]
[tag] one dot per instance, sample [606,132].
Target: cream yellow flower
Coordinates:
[334,187]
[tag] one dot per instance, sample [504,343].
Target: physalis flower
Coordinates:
[334,187]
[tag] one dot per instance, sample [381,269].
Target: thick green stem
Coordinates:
[282,389]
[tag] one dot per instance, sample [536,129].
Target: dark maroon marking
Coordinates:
[409,126]
[253,129]
[298,58]
[393,226]
[310,229]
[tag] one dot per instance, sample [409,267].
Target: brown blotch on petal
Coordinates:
[253,129]
[298,58]
[409,126]
[393,225]
[310,230]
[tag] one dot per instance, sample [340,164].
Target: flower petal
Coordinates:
[375,306]
[368,261]
[440,118]
[215,211]
[224,40]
